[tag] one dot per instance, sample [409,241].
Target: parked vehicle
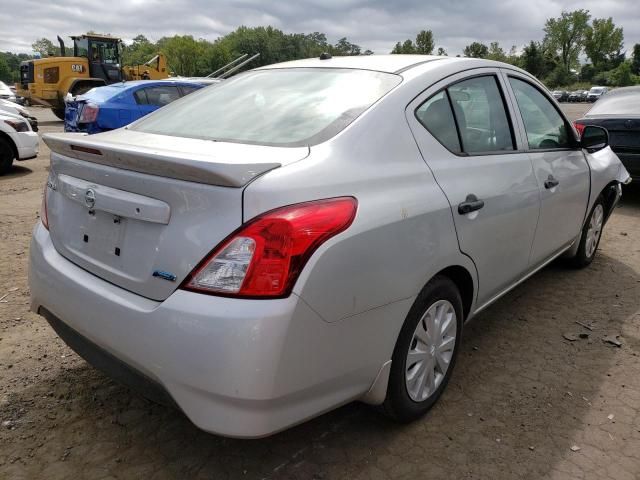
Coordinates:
[17,140]
[595,93]
[619,113]
[313,232]
[15,109]
[114,106]
[6,93]
[578,96]
[560,95]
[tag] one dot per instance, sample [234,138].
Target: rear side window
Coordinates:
[141,96]
[159,96]
[481,115]
[436,116]
[545,127]
[469,116]
[187,89]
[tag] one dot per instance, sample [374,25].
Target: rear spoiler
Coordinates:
[192,164]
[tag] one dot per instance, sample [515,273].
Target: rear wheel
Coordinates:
[591,234]
[425,352]
[6,156]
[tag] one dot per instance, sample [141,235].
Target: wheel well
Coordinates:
[7,138]
[609,196]
[463,280]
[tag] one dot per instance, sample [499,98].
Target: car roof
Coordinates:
[152,83]
[625,90]
[381,63]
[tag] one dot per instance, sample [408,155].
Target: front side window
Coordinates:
[545,127]
[280,107]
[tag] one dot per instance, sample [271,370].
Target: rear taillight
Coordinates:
[44,216]
[579,128]
[264,257]
[89,113]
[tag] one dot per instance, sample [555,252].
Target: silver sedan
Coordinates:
[312,233]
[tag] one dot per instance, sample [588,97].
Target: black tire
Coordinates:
[58,112]
[6,156]
[398,403]
[584,256]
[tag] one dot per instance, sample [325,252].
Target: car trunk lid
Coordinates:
[142,212]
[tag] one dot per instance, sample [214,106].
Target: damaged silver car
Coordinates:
[312,233]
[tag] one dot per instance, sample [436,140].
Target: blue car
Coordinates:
[117,105]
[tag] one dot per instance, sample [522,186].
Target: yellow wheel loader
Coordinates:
[95,62]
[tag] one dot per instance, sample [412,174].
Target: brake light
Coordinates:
[89,113]
[579,127]
[44,215]
[264,258]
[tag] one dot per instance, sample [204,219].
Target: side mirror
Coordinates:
[594,138]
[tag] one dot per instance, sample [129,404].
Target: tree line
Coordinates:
[555,59]
[188,56]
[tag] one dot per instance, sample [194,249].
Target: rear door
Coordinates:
[463,128]
[560,168]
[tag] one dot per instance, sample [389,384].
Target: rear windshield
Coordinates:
[102,94]
[280,107]
[627,103]
[596,90]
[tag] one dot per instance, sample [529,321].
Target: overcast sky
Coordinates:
[374,24]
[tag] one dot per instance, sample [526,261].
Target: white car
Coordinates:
[7,106]
[6,93]
[17,140]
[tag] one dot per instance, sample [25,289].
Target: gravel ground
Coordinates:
[524,401]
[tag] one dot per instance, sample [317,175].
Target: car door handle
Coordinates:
[471,204]
[551,182]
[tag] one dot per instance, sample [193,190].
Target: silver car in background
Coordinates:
[312,233]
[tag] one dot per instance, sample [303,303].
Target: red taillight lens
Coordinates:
[44,216]
[264,257]
[579,127]
[89,113]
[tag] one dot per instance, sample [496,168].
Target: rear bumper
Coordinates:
[240,368]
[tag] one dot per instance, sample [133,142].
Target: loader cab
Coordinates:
[103,55]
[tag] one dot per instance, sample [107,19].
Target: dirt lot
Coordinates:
[524,402]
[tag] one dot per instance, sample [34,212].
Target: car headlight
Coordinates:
[17,125]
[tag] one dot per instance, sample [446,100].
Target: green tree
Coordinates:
[532,59]
[622,76]
[476,50]
[566,35]
[5,72]
[635,60]
[345,47]
[442,52]
[424,42]
[496,52]
[45,47]
[139,51]
[603,42]
[183,53]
